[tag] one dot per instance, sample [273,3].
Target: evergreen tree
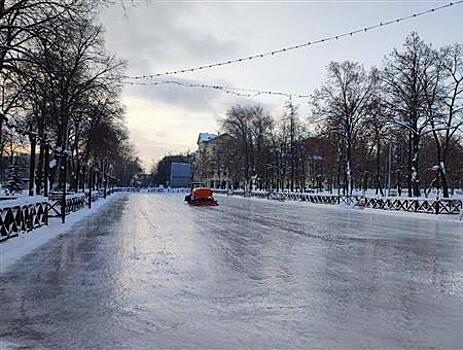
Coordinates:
[14,183]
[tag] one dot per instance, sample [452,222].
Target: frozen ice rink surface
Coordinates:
[148,271]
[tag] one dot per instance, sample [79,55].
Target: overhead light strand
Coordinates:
[298,46]
[241,92]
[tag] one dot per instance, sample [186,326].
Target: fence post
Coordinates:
[46,213]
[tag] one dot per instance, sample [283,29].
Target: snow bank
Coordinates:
[342,206]
[14,249]
[7,345]
[22,200]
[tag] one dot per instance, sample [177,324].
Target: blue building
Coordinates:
[180,175]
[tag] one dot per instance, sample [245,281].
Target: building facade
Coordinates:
[216,160]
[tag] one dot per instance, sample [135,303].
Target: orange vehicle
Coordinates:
[200,195]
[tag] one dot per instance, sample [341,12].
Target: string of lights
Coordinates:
[302,45]
[241,92]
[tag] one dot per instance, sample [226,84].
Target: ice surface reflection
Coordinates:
[151,272]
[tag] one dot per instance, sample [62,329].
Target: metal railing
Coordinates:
[22,218]
[74,202]
[418,205]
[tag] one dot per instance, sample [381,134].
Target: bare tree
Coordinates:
[67,86]
[376,128]
[342,102]
[447,83]
[405,97]
[251,126]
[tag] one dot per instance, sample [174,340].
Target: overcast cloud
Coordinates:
[163,36]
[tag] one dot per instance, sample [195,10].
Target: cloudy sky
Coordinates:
[156,36]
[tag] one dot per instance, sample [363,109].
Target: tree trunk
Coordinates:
[410,152]
[379,187]
[349,181]
[414,169]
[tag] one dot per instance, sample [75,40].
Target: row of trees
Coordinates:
[395,126]
[266,153]
[271,153]
[60,93]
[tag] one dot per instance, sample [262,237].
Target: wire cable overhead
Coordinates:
[299,46]
[241,92]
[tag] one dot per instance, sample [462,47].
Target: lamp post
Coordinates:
[63,196]
[90,186]
[46,167]
[105,181]
[62,154]
[33,140]
[437,170]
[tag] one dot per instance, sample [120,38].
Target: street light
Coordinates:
[62,154]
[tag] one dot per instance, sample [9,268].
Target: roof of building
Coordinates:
[206,137]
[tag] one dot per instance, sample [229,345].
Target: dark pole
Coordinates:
[437,189]
[39,177]
[90,185]
[105,184]
[292,148]
[32,165]
[63,198]
[105,179]
[45,170]
[2,117]
[95,179]
[83,178]
[111,184]
[77,176]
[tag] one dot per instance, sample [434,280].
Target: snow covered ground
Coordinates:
[457,193]
[153,272]
[15,248]
[22,200]
[7,345]
[370,211]
[371,193]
